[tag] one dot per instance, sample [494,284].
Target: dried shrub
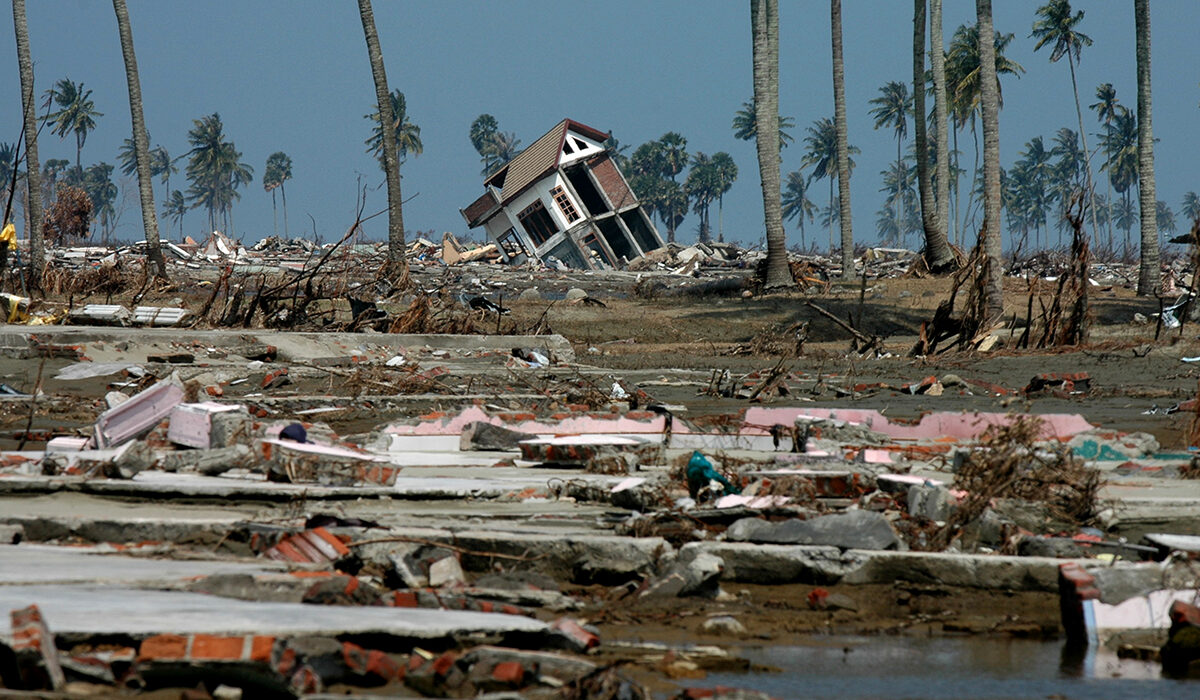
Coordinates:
[1012,464]
[69,217]
[422,317]
[105,280]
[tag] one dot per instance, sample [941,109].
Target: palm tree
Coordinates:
[277,171]
[396,268]
[674,153]
[1120,145]
[745,127]
[796,204]
[703,187]
[1191,206]
[1149,272]
[50,171]
[141,141]
[37,251]
[1125,215]
[76,112]
[408,135]
[1164,217]
[821,148]
[764,26]
[963,81]
[942,122]
[727,172]
[1056,25]
[97,182]
[215,169]
[900,204]
[937,246]
[989,101]
[175,208]
[1107,109]
[1036,175]
[892,108]
[843,157]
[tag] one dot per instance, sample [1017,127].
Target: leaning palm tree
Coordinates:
[796,204]
[764,25]
[396,267]
[1056,25]
[37,253]
[891,111]
[141,142]
[76,113]
[938,255]
[989,101]
[843,155]
[1149,272]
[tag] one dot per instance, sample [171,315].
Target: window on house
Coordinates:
[580,144]
[591,242]
[567,148]
[511,244]
[537,222]
[564,204]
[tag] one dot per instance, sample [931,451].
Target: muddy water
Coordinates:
[968,668]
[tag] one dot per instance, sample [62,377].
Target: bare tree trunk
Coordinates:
[141,142]
[1149,271]
[941,118]
[989,102]
[1091,190]
[397,265]
[843,155]
[37,249]
[764,21]
[937,246]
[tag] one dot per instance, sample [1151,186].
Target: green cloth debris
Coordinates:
[700,473]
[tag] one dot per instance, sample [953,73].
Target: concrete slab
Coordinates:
[115,610]
[43,564]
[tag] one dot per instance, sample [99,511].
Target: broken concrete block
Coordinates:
[1056,547]
[1108,446]
[566,633]
[295,462]
[854,529]
[208,462]
[446,572]
[693,573]
[315,546]
[724,625]
[137,416]
[115,398]
[135,458]
[37,656]
[930,501]
[11,533]
[208,425]
[490,438]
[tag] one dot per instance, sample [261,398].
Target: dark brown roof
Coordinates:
[477,211]
[541,158]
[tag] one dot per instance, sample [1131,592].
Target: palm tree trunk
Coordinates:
[274,213]
[843,155]
[764,21]
[989,102]
[1149,272]
[283,195]
[37,250]
[141,142]
[1087,155]
[397,266]
[941,118]
[924,179]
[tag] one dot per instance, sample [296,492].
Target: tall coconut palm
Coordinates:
[673,150]
[821,152]
[37,251]
[175,208]
[408,134]
[891,111]
[1164,218]
[727,172]
[1191,207]
[796,204]
[215,170]
[941,120]
[764,25]
[141,142]
[938,255]
[1107,108]
[396,268]
[843,157]
[703,186]
[97,182]
[76,113]
[277,171]
[1119,141]
[1056,25]
[1149,272]
[745,127]
[989,101]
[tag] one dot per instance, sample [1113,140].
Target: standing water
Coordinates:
[940,668]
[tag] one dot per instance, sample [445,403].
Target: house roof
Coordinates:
[539,159]
[481,209]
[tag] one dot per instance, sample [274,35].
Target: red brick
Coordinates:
[163,646]
[510,672]
[208,646]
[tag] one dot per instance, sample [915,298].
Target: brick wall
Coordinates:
[611,181]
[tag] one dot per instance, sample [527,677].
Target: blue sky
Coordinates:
[294,76]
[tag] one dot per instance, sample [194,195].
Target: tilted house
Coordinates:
[563,196]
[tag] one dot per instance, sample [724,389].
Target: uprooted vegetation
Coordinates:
[1012,463]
